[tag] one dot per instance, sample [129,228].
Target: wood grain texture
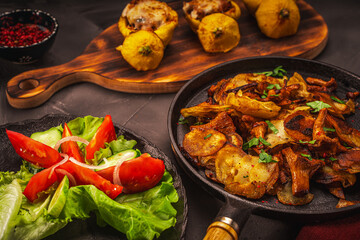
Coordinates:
[219,230]
[184,57]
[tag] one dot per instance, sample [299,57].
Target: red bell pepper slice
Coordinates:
[138,174]
[33,151]
[85,176]
[39,183]
[105,133]
[71,148]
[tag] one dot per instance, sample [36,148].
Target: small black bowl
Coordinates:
[28,53]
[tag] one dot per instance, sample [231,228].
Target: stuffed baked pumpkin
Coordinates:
[196,10]
[143,50]
[278,18]
[150,15]
[218,33]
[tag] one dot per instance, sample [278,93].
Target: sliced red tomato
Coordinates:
[39,183]
[71,148]
[85,176]
[105,133]
[33,151]
[138,174]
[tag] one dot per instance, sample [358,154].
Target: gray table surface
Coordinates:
[81,21]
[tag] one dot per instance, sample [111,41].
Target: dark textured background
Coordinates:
[82,20]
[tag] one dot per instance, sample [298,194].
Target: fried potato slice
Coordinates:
[226,159]
[252,190]
[281,137]
[242,174]
[204,110]
[252,107]
[286,197]
[203,142]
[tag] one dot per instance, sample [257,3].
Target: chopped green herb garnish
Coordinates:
[266,73]
[250,143]
[264,94]
[347,146]
[307,156]
[337,100]
[274,95]
[183,121]
[277,72]
[263,141]
[311,142]
[329,129]
[198,123]
[272,127]
[246,176]
[265,157]
[207,136]
[271,86]
[318,105]
[332,159]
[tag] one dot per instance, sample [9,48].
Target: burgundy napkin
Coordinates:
[345,228]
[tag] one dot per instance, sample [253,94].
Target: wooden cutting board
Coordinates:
[184,57]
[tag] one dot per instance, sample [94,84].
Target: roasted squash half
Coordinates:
[150,15]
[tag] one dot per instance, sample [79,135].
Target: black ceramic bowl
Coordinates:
[28,53]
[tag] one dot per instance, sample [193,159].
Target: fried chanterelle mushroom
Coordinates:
[260,134]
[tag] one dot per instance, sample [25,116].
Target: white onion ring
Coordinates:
[116,173]
[92,167]
[65,156]
[70,138]
[69,175]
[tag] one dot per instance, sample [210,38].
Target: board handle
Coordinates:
[229,222]
[32,88]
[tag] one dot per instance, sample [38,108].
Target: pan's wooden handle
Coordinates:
[229,221]
[220,230]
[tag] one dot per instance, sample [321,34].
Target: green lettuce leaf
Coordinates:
[85,127]
[121,144]
[23,176]
[10,202]
[139,216]
[112,148]
[40,228]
